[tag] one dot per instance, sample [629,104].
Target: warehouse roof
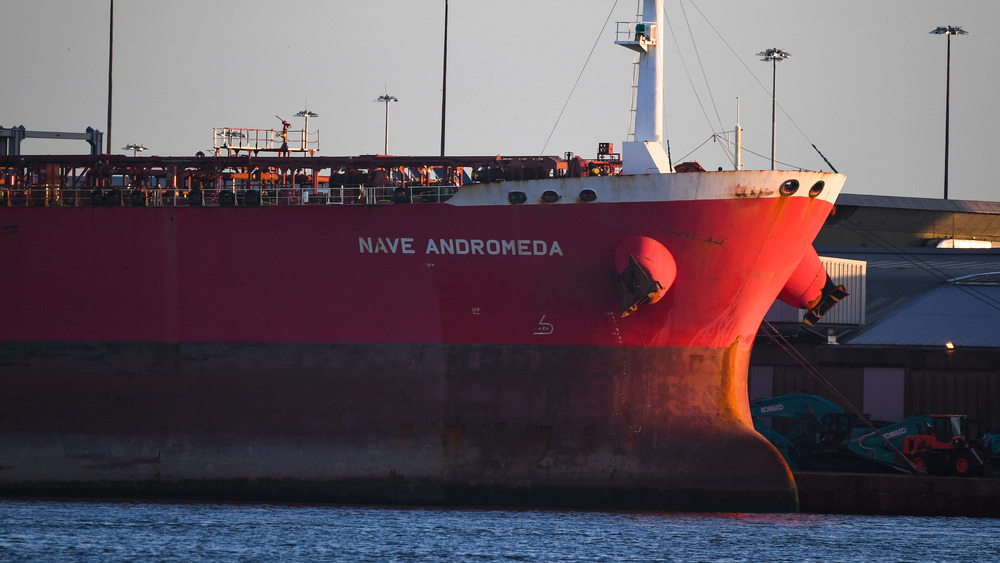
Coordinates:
[876,221]
[961,314]
[928,296]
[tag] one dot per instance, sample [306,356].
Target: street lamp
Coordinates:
[386,98]
[444,75]
[949,31]
[134,148]
[305,131]
[773,55]
[111,58]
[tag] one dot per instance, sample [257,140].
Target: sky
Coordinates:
[865,83]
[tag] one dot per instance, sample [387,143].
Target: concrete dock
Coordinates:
[889,494]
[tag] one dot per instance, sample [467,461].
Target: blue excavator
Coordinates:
[804,413]
[821,436]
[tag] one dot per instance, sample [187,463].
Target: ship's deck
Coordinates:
[118,180]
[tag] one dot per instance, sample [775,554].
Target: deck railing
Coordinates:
[250,180]
[233,141]
[252,194]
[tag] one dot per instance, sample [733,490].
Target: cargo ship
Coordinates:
[466,330]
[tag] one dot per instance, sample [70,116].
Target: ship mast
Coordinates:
[646,154]
[649,108]
[739,138]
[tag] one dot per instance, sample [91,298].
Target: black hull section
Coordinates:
[399,491]
[560,426]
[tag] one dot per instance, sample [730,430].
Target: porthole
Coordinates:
[517,198]
[588,195]
[789,187]
[817,188]
[550,196]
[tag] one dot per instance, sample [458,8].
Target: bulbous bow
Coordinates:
[810,287]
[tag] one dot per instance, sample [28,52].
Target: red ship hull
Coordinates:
[466,352]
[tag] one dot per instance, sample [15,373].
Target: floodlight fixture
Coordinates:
[774,56]
[134,148]
[949,30]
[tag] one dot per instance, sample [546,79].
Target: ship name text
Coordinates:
[460,246]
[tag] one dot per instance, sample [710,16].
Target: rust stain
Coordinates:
[629,445]
[741,191]
[452,438]
[536,441]
[729,391]
[695,361]
[689,236]
[589,436]
[405,434]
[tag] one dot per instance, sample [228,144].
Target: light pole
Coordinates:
[773,55]
[386,98]
[444,75]
[111,58]
[134,148]
[305,131]
[949,31]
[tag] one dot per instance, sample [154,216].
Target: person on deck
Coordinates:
[640,31]
[283,151]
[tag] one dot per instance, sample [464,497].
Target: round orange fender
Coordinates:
[653,257]
[804,287]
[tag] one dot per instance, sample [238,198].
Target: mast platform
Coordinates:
[231,141]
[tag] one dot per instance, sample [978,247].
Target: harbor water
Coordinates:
[49,530]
